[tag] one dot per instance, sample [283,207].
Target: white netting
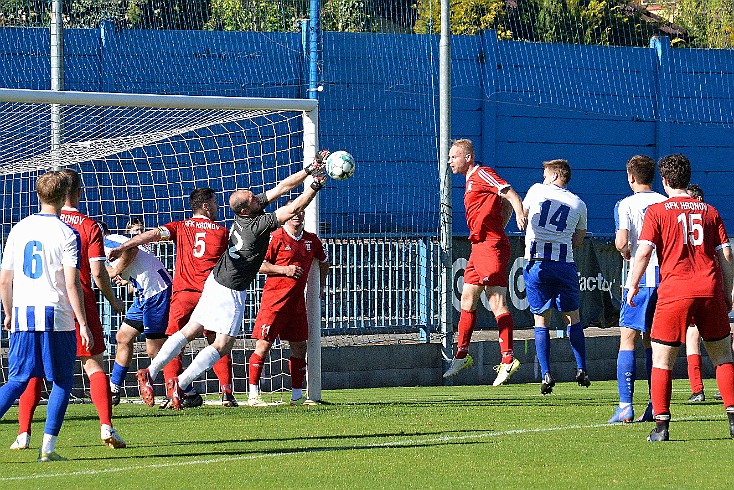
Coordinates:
[144,162]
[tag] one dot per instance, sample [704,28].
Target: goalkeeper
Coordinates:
[222,303]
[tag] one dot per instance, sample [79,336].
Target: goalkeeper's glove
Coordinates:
[318,181]
[319,163]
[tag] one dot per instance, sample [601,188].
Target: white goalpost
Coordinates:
[141,156]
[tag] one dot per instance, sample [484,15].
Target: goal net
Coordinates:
[139,157]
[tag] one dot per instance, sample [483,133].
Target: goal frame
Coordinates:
[309,110]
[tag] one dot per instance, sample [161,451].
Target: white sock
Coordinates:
[114,388]
[296,393]
[105,429]
[170,349]
[205,360]
[49,443]
[624,405]
[254,391]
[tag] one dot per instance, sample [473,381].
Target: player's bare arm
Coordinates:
[290,183]
[74,290]
[577,240]
[621,241]
[284,213]
[102,280]
[323,273]
[509,194]
[506,212]
[6,296]
[127,258]
[269,269]
[153,235]
[642,258]
[725,262]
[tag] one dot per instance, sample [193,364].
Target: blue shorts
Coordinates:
[639,317]
[151,315]
[551,284]
[49,355]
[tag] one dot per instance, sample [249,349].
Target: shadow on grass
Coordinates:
[433,439]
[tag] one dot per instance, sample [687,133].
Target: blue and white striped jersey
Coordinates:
[146,273]
[37,250]
[554,214]
[628,215]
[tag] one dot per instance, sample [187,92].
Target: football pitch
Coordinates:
[428,437]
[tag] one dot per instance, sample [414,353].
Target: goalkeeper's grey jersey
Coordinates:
[248,242]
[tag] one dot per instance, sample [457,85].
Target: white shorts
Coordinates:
[220,309]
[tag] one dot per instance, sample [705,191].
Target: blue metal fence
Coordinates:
[375,286]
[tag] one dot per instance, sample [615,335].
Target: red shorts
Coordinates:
[488,264]
[673,317]
[182,305]
[95,325]
[286,324]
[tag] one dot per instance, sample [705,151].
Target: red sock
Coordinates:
[27,404]
[505,327]
[223,370]
[467,320]
[725,381]
[694,372]
[662,390]
[257,364]
[99,389]
[297,367]
[172,370]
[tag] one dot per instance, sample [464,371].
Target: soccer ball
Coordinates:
[340,165]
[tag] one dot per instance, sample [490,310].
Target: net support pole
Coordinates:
[444,175]
[313,299]
[57,77]
[661,45]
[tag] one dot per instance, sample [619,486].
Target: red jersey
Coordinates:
[686,234]
[92,244]
[287,292]
[484,205]
[200,242]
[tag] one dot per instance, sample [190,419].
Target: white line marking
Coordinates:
[397,443]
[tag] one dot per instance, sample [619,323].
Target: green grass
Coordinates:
[436,437]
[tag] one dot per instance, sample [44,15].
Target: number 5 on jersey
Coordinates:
[199,245]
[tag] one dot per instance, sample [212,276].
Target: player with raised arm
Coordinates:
[91,266]
[41,294]
[282,314]
[200,242]
[149,312]
[695,259]
[556,226]
[635,321]
[222,303]
[486,270]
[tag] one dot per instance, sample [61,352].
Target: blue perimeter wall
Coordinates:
[521,103]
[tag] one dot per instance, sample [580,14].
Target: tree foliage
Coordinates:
[468,17]
[708,23]
[346,16]
[252,15]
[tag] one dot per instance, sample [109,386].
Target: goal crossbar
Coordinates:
[155,100]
